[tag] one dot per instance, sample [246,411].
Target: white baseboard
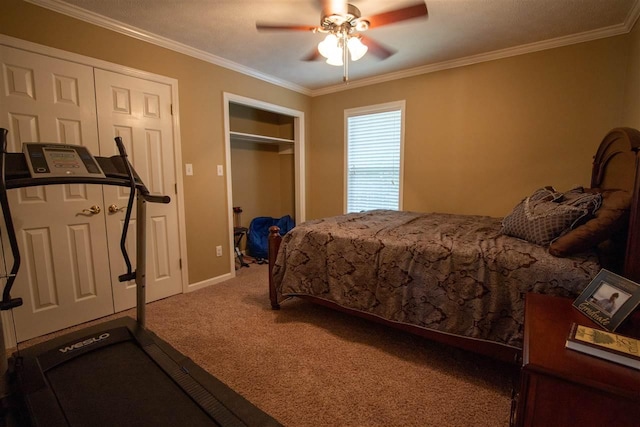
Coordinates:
[214,280]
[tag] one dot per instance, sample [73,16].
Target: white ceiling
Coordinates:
[457,32]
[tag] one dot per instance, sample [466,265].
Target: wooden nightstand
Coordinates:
[561,387]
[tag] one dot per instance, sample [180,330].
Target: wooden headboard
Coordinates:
[615,166]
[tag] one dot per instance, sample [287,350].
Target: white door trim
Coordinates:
[299,156]
[109,66]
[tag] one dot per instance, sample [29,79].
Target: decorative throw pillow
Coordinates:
[585,199]
[546,194]
[547,214]
[612,216]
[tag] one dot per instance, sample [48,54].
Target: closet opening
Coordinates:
[265,170]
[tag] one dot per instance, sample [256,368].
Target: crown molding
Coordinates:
[102,21]
[611,31]
[119,27]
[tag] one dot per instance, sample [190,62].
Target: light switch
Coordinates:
[188,169]
[220,170]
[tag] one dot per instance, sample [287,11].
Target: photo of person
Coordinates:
[609,298]
[609,304]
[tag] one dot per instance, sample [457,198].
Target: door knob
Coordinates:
[115,208]
[95,209]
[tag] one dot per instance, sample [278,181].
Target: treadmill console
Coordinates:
[58,160]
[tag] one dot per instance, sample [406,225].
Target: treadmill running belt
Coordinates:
[117,373]
[120,385]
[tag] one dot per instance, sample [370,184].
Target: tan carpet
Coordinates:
[309,366]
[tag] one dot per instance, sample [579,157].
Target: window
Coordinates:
[374,142]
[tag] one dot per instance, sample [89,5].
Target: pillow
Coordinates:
[612,216]
[588,199]
[547,214]
[546,194]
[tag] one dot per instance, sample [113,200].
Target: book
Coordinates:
[605,345]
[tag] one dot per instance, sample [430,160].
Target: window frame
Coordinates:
[373,109]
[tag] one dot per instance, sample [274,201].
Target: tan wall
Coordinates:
[201,87]
[262,181]
[287,185]
[481,137]
[631,115]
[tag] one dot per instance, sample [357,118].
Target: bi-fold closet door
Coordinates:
[69,235]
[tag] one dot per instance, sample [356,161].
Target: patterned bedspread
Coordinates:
[451,273]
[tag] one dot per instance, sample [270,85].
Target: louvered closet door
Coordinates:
[139,111]
[64,278]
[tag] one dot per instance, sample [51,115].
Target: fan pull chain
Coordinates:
[345,58]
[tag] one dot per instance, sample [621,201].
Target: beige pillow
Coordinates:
[612,216]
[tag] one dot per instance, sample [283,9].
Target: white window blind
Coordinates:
[374,144]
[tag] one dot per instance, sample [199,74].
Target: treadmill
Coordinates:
[116,373]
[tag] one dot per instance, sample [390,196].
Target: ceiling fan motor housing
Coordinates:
[331,22]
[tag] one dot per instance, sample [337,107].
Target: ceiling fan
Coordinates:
[343,23]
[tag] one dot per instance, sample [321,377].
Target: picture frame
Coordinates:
[608,299]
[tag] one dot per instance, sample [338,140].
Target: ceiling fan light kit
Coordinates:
[332,48]
[356,48]
[343,22]
[342,38]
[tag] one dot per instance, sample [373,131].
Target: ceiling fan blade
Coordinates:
[312,56]
[277,27]
[376,48]
[410,12]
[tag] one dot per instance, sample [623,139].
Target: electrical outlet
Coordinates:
[218,250]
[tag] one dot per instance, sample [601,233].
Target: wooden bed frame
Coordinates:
[616,165]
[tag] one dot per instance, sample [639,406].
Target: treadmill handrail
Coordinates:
[7,302]
[129,275]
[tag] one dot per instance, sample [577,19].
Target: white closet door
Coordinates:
[139,111]
[64,278]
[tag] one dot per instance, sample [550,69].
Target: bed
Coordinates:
[462,279]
